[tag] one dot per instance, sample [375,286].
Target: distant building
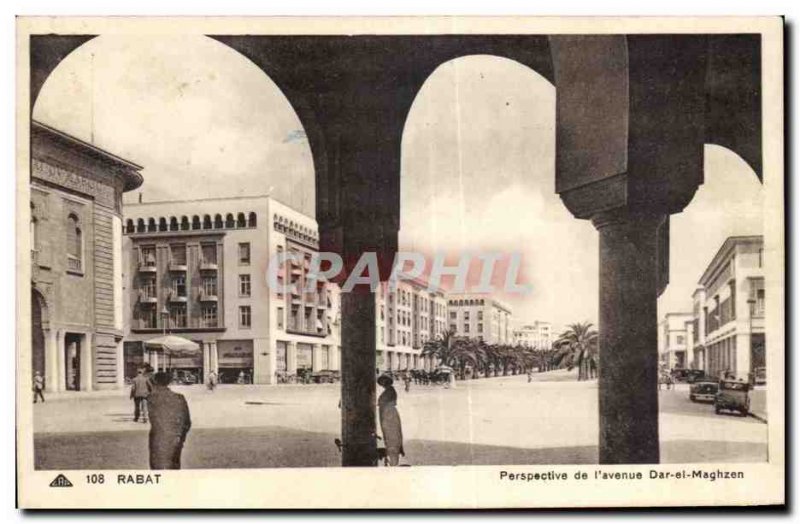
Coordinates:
[406,318]
[76,256]
[479,316]
[674,340]
[198,269]
[728,309]
[537,335]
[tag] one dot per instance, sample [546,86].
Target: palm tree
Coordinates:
[577,347]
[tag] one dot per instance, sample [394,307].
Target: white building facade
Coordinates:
[536,335]
[481,317]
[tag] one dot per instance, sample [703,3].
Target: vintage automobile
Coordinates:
[679,374]
[325,376]
[703,391]
[695,375]
[733,395]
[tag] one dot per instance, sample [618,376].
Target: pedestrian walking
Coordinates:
[169,424]
[38,387]
[391,426]
[530,376]
[140,390]
[407,382]
[212,381]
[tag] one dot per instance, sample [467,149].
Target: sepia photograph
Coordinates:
[538,251]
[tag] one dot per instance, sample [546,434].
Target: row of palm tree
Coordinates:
[576,347]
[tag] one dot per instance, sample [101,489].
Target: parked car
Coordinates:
[325,376]
[733,395]
[680,374]
[703,391]
[695,375]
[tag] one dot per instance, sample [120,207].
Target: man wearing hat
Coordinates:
[169,424]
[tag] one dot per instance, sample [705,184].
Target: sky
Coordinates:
[478,159]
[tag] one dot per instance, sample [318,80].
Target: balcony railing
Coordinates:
[74,264]
[177,297]
[146,297]
[178,265]
[147,266]
[208,265]
[208,296]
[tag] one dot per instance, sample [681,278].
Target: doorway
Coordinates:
[72,359]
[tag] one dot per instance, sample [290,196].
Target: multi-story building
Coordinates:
[76,256]
[479,316]
[728,309]
[673,339]
[537,335]
[198,269]
[407,316]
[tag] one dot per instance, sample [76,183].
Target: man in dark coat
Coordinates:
[169,424]
[140,389]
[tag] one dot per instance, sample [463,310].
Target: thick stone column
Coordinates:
[51,360]
[358,379]
[213,356]
[628,402]
[206,361]
[61,361]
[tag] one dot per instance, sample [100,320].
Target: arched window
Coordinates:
[195,222]
[151,225]
[74,243]
[217,221]
[206,221]
[162,224]
[129,227]
[229,220]
[251,220]
[240,221]
[140,227]
[184,223]
[173,224]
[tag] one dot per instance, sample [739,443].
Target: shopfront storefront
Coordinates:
[235,361]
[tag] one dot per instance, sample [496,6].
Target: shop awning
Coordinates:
[174,345]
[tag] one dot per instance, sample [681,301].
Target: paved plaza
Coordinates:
[495,421]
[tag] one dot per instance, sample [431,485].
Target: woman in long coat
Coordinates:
[390,421]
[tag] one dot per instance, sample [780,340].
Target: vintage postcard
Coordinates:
[400,262]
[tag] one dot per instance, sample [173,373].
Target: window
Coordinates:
[173,224]
[452,327]
[184,223]
[279,315]
[210,286]
[466,315]
[466,328]
[149,256]
[151,225]
[178,254]
[480,315]
[129,227]
[244,285]
[149,318]
[240,220]
[480,327]
[217,221]
[229,222]
[195,222]
[251,220]
[162,224]
[178,316]
[179,285]
[209,252]
[74,244]
[149,288]
[210,315]
[453,315]
[759,312]
[680,340]
[244,316]
[206,221]
[244,253]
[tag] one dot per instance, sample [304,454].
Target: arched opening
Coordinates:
[162,224]
[38,318]
[195,222]
[130,228]
[151,225]
[173,224]
[218,221]
[206,222]
[251,220]
[240,221]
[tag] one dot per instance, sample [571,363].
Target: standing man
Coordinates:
[169,424]
[140,390]
[38,387]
